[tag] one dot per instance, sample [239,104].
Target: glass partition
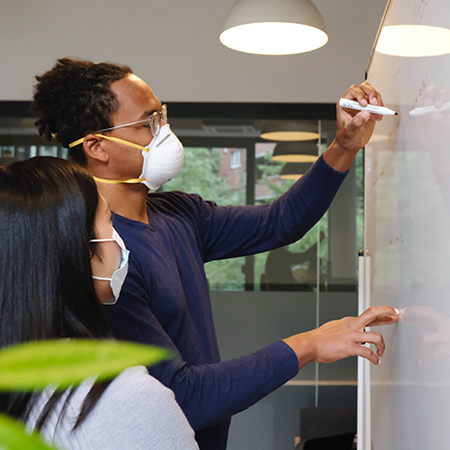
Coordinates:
[297,287]
[226,161]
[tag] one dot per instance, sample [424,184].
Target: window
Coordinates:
[293,267]
[235,159]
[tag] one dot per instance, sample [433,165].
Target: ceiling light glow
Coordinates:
[274,38]
[414,41]
[290,136]
[296,158]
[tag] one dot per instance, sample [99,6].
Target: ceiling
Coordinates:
[174,46]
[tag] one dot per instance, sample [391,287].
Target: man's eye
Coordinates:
[147,126]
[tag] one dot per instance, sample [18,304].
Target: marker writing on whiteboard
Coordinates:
[429,109]
[371,108]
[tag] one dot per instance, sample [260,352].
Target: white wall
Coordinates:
[246,322]
[174,46]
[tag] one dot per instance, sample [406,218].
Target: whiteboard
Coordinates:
[407,241]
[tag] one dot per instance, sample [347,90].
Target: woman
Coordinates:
[61,257]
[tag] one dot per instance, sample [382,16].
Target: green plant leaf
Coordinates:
[14,437]
[36,364]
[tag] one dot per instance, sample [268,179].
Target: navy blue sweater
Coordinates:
[165,299]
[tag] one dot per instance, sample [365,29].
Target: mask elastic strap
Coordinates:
[114,139]
[102,240]
[132,181]
[119,141]
[101,278]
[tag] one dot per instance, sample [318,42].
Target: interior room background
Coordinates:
[218,101]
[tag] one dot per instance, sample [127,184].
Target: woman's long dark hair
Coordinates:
[47,213]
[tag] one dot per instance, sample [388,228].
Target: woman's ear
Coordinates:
[93,148]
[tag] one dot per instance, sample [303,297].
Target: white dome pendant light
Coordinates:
[274,27]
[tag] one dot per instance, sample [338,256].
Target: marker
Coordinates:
[429,109]
[371,108]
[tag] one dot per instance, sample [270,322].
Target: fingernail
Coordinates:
[379,362]
[397,311]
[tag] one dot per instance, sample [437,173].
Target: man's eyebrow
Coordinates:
[147,114]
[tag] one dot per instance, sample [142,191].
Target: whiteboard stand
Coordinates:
[363,422]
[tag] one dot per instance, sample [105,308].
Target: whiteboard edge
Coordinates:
[383,20]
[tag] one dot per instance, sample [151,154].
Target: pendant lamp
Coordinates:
[289,130]
[294,171]
[296,152]
[274,27]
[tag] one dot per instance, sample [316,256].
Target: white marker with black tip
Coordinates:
[382,110]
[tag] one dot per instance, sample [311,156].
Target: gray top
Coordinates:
[135,412]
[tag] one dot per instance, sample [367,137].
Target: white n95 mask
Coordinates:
[118,277]
[163,158]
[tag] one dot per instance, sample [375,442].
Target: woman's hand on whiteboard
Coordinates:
[354,128]
[342,338]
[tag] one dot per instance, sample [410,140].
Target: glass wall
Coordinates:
[226,161]
[296,288]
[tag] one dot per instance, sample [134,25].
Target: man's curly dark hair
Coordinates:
[74,99]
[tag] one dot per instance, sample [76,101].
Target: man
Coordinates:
[116,127]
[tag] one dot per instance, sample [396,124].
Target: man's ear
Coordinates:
[93,148]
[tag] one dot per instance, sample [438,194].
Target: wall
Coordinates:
[174,46]
[247,321]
